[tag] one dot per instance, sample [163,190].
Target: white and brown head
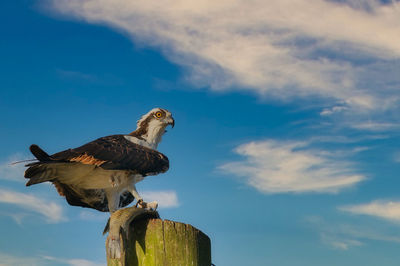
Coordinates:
[152,126]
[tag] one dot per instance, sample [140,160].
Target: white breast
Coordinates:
[140,142]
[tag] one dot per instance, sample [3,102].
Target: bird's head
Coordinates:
[151,126]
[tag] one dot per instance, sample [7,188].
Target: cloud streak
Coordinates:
[339,242]
[396,157]
[165,199]
[72,262]
[283,49]
[388,210]
[273,166]
[11,260]
[344,236]
[51,211]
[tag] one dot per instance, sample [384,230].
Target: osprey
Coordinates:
[102,174]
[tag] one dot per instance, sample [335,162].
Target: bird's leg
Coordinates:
[140,203]
[113,199]
[113,242]
[132,189]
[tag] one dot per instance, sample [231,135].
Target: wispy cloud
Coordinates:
[346,139]
[18,217]
[396,157]
[334,235]
[339,242]
[51,211]
[92,215]
[333,110]
[344,236]
[389,210]
[70,74]
[374,126]
[165,199]
[73,75]
[72,262]
[12,260]
[284,49]
[273,166]
[82,262]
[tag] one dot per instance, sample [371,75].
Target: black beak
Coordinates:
[172,123]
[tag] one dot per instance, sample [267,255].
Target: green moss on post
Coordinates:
[162,242]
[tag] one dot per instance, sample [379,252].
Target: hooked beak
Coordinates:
[172,122]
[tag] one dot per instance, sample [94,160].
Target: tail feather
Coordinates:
[39,173]
[40,154]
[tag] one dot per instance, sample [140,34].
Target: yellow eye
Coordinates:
[158,114]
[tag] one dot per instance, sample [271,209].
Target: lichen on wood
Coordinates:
[163,242]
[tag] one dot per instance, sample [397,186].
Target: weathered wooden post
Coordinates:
[154,242]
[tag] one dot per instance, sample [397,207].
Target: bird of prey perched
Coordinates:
[102,174]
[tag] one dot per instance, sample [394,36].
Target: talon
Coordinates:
[139,203]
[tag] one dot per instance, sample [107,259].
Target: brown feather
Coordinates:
[87,159]
[60,190]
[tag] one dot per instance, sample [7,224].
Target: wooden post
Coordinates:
[154,242]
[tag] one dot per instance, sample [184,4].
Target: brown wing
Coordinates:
[117,153]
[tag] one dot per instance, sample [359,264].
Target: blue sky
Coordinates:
[285,149]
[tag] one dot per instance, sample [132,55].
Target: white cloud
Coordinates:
[389,210]
[165,199]
[52,211]
[278,167]
[281,48]
[333,110]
